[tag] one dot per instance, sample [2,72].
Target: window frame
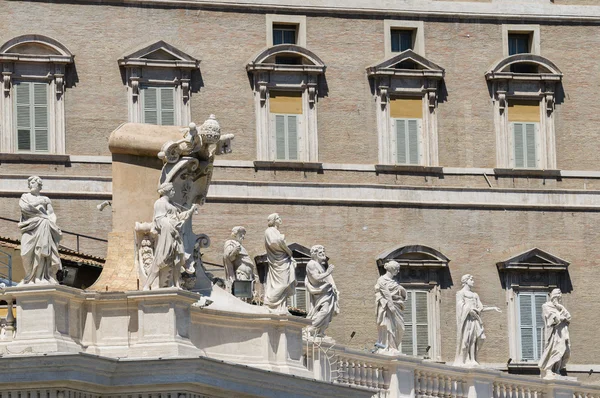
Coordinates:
[534,37]
[518,295]
[513,145]
[299,136]
[418,39]
[32,106]
[394,141]
[285,28]
[299,21]
[159,106]
[430,340]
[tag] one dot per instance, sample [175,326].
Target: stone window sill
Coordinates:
[34,158]
[527,173]
[408,169]
[288,165]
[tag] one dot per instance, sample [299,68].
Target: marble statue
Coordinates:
[281,274]
[470,334]
[557,345]
[40,236]
[323,293]
[390,298]
[238,264]
[169,254]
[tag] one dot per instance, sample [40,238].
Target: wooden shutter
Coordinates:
[413,141]
[150,105]
[301,298]
[167,106]
[40,102]
[519,144]
[539,300]
[526,326]
[407,141]
[524,138]
[23,110]
[407,338]
[401,138]
[421,322]
[530,144]
[280,137]
[292,137]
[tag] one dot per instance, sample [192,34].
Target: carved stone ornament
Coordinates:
[183,185]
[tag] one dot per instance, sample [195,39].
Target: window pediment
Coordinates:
[542,69]
[288,58]
[160,54]
[419,265]
[35,48]
[534,260]
[407,64]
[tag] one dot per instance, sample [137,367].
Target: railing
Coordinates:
[8,324]
[5,266]
[435,384]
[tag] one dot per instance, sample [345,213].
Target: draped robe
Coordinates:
[323,297]
[237,262]
[39,240]
[281,276]
[470,334]
[390,321]
[557,346]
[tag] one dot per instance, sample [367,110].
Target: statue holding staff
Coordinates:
[281,275]
[557,345]
[390,297]
[323,293]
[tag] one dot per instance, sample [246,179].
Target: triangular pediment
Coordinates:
[534,259]
[406,60]
[159,52]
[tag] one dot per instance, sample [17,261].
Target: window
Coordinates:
[524,105]
[423,273]
[518,43]
[31,103]
[416,324]
[160,85]
[402,35]
[159,105]
[34,82]
[520,39]
[402,39]
[285,98]
[527,278]
[406,90]
[284,34]
[531,325]
[286,29]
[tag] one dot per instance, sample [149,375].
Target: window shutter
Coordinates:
[407,338]
[167,106]
[519,146]
[40,100]
[23,103]
[421,321]
[301,298]
[150,105]
[292,136]
[401,141]
[530,140]
[280,137]
[526,326]
[413,141]
[539,320]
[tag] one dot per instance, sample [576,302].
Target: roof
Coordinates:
[64,253]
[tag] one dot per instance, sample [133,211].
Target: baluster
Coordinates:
[370,382]
[448,388]
[363,372]
[386,378]
[380,378]
[418,381]
[436,385]
[465,389]
[360,376]
[351,376]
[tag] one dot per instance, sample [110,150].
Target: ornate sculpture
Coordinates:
[557,345]
[187,171]
[169,254]
[323,293]
[390,298]
[40,236]
[470,335]
[281,276]
[237,262]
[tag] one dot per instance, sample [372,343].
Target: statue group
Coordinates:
[168,255]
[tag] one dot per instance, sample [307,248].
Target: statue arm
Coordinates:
[323,275]
[50,211]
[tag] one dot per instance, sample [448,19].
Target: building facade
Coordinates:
[454,137]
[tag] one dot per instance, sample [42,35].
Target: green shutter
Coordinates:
[280,137]
[530,140]
[407,338]
[413,141]
[167,106]
[23,105]
[401,139]
[519,144]
[292,137]
[150,105]
[526,326]
[422,322]
[40,97]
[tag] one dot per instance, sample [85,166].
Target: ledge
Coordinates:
[528,173]
[408,169]
[34,158]
[288,165]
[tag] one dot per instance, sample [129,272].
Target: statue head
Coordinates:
[34,183]
[317,253]
[467,279]
[210,131]
[555,294]
[238,233]
[274,220]
[166,188]
[393,267]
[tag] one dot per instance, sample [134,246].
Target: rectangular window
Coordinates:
[159,105]
[407,140]
[284,34]
[402,39]
[531,325]
[31,103]
[518,43]
[286,120]
[416,326]
[525,145]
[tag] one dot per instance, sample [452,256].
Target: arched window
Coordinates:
[423,272]
[286,89]
[33,72]
[524,92]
